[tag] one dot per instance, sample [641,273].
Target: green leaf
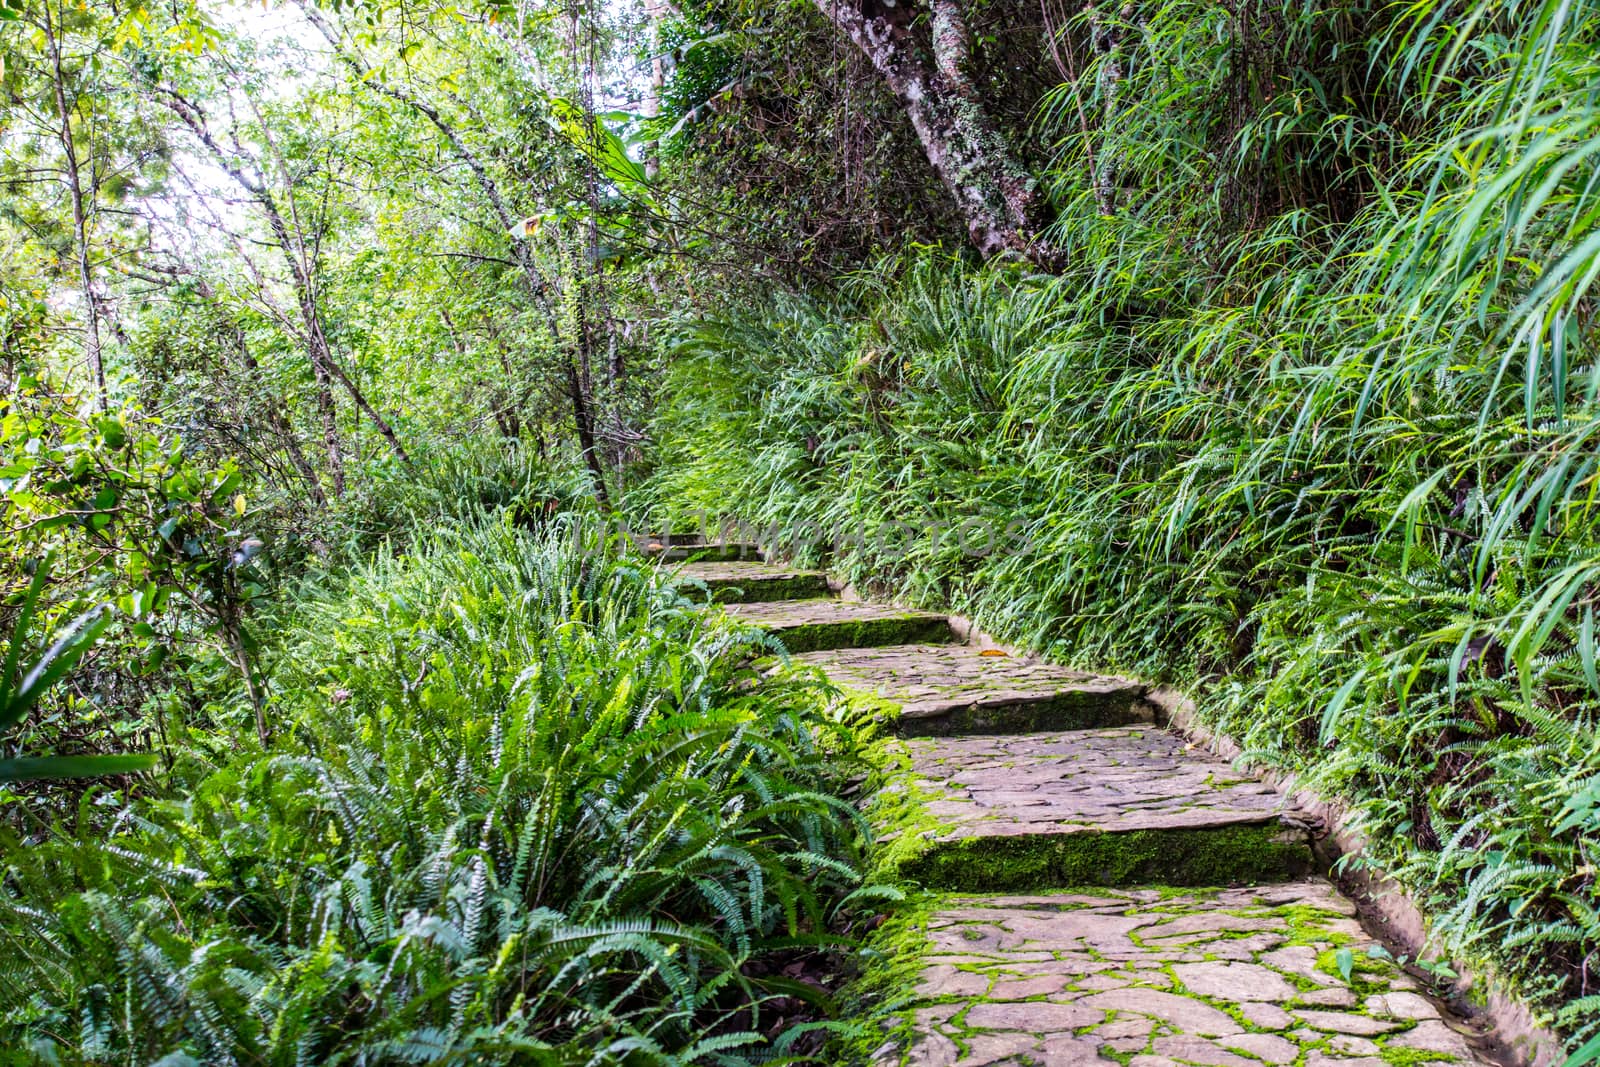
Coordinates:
[36,768]
[112,432]
[19,633]
[1330,715]
[61,657]
[603,147]
[1589,1053]
[1345,959]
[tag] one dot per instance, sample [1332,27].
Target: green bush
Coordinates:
[523,803]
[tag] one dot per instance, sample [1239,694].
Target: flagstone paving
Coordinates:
[820,623]
[1151,978]
[957,689]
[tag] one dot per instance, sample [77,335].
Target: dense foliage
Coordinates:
[525,802]
[328,331]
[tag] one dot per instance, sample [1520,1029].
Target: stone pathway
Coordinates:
[1092,807]
[732,582]
[1174,918]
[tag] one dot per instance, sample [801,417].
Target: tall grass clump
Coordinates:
[1307,420]
[523,803]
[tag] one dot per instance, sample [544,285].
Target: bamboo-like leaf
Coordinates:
[35,768]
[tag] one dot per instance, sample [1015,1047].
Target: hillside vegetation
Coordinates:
[1249,347]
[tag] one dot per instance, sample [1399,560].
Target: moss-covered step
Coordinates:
[700,551]
[940,690]
[1152,978]
[1118,806]
[749,581]
[820,624]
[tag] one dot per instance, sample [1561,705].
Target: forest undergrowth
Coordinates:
[524,802]
[331,731]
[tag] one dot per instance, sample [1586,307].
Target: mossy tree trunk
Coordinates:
[999,200]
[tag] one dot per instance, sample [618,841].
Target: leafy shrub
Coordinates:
[26,677]
[523,804]
[138,525]
[454,482]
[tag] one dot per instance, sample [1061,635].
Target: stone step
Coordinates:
[712,553]
[749,581]
[715,546]
[939,690]
[822,624]
[1118,806]
[1149,978]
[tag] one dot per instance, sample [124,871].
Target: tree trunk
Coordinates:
[655,11]
[275,411]
[1107,43]
[589,276]
[328,415]
[586,438]
[93,354]
[997,197]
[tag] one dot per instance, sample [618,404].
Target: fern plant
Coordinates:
[529,807]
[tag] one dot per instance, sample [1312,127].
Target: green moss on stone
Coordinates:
[876,1001]
[707,553]
[1413,1057]
[1220,856]
[1067,709]
[759,590]
[908,629]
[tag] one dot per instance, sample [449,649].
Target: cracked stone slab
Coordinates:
[1115,806]
[1152,978]
[938,690]
[746,581]
[821,623]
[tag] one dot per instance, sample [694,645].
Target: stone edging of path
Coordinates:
[1384,904]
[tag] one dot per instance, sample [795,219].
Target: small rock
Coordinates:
[1023,988]
[1184,1013]
[1431,1035]
[1355,1046]
[1266,1016]
[1269,1048]
[1234,981]
[1197,1050]
[1343,1023]
[1332,997]
[1032,1016]
[1401,1006]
